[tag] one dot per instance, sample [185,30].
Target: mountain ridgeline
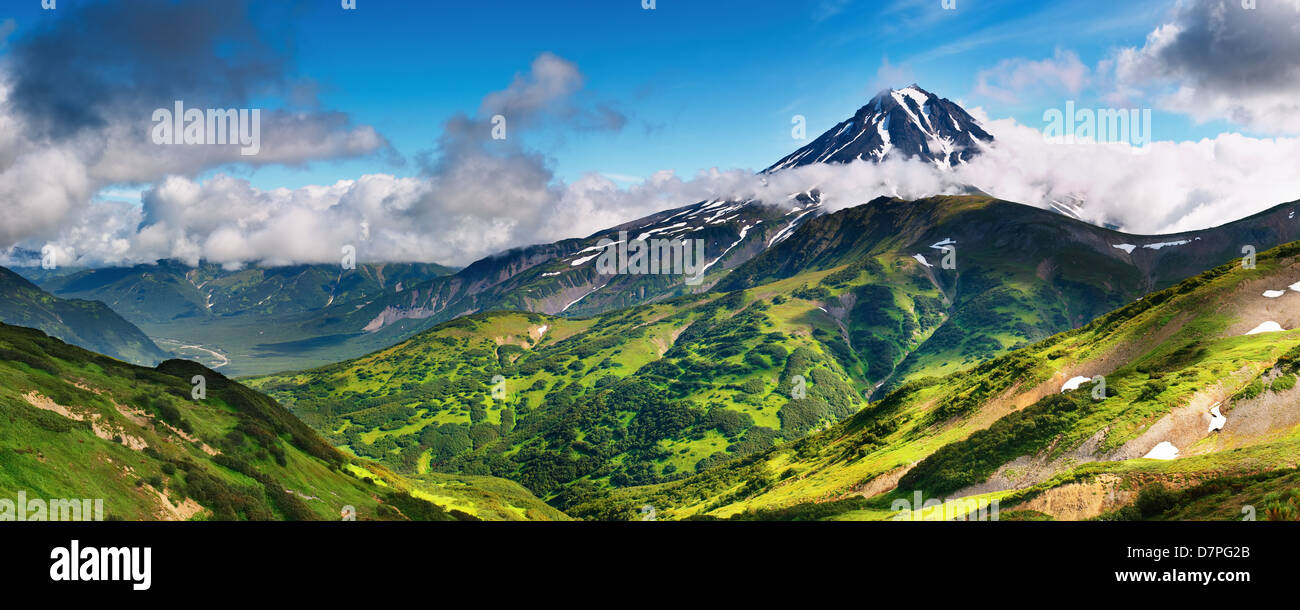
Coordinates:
[90,324]
[258,320]
[172,291]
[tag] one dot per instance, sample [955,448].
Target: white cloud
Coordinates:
[1012,78]
[1218,60]
[458,217]
[889,76]
[75,120]
[477,196]
[1170,187]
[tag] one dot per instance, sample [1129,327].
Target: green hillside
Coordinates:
[90,324]
[81,425]
[639,396]
[655,393]
[1006,430]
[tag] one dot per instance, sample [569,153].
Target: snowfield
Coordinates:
[1164,451]
[1074,383]
[1267,327]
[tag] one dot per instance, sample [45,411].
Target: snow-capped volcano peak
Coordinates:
[897,123]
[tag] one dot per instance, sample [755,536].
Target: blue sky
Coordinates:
[703,84]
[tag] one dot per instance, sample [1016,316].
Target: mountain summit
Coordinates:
[897,123]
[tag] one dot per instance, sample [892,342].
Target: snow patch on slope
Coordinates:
[1164,451]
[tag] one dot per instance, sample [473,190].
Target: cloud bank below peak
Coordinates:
[474,195]
[457,216]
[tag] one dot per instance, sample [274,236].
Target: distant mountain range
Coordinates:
[227,318]
[90,324]
[170,290]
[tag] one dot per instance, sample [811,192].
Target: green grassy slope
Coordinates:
[647,394]
[1021,273]
[1005,430]
[81,425]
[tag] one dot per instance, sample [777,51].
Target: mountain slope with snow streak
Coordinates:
[897,123]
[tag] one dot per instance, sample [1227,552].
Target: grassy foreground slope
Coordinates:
[1007,430]
[80,425]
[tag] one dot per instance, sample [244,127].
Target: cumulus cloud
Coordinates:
[548,90]
[475,195]
[1216,59]
[1165,187]
[454,216]
[77,97]
[1012,78]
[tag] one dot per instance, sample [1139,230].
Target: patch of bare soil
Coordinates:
[184,511]
[1251,308]
[663,346]
[883,483]
[1182,426]
[191,439]
[101,429]
[1079,501]
[1261,419]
